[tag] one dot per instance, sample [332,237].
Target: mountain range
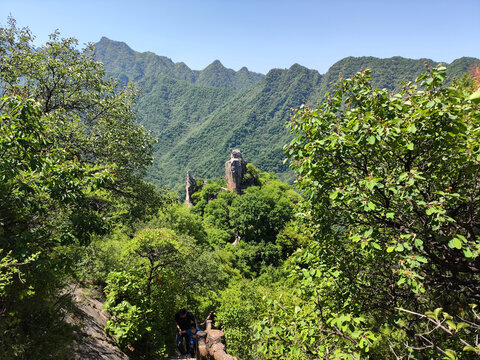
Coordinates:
[200,116]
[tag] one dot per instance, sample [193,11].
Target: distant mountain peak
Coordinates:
[298,67]
[216,64]
[107,41]
[119,58]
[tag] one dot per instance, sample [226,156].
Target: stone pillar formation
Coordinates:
[235,169]
[190,188]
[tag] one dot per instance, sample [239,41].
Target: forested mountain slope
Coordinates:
[389,73]
[199,116]
[251,120]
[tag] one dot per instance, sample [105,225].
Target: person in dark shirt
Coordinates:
[185,321]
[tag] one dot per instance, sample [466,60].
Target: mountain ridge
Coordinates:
[149,64]
[199,116]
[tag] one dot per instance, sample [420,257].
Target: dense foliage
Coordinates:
[74,208]
[391,186]
[68,143]
[197,258]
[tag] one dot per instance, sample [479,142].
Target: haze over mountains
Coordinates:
[200,116]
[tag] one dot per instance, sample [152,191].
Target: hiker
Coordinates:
[192,334]
[185,321]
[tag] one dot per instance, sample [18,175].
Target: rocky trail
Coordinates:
[92,343]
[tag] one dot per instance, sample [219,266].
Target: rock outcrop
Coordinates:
[91,341]
[190,188]
[235,169]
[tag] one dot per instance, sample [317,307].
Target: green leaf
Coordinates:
[371,140]
[334,195]
[418,243]
[475,97]
[451,354]
[412,128]
[410,146]
[437,312]
[467,252]
[451,324]
[462,325]
[455,243]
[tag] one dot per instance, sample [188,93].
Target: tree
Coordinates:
[241,303]
[163,272]
[262,212]
[94,116]
[392,189]
[43,206]
[143,296]
[71,159]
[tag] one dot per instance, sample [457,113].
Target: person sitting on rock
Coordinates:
[192,334]
[185,320]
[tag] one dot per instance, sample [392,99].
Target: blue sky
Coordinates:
[263,34]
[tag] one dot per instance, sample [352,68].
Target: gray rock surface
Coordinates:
[235,169]
[92,343]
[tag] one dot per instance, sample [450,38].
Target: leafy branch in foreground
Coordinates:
[392,189]
[438,321]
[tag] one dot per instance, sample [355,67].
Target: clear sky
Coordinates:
[263,34]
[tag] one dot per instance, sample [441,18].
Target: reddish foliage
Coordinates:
[475,73]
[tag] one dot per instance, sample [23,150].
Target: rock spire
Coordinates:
[235,169]
[190,188]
